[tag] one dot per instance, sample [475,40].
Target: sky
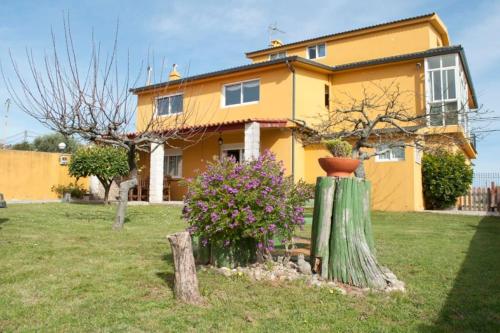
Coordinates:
[202,36]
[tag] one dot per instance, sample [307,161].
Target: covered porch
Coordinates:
[164,168]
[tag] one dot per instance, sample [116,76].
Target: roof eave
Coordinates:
[343,34]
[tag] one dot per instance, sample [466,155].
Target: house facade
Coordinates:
[245,110]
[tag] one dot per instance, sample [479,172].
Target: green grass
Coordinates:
[62,268]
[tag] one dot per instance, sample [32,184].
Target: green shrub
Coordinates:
[104,162]
[339,148]
[76,190]
[445,177]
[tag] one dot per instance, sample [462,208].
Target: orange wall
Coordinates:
[408,76]
[202,99]
[29,175]
[346,49]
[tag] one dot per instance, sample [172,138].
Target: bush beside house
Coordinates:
[446,176]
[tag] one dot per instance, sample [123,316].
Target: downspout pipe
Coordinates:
[292,70]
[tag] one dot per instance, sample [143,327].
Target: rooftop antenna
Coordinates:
[272,30]
[149,71]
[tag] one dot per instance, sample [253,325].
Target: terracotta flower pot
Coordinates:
[338,166]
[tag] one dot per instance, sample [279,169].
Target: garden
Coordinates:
[64,269]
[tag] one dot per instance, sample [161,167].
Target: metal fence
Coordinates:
[484,179]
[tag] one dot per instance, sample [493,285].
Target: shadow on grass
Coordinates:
[3,220]
[473,304]
[167,277]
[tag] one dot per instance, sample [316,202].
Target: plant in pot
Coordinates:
[340,164]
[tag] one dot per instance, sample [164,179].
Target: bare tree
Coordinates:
[93,101]
[381,119]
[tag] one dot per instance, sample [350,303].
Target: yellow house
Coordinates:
[245,110]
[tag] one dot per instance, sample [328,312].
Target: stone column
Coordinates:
[252,140]
[156,173]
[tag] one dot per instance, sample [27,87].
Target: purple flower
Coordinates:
[260,246]
[268,209]
[204,241]
[214,216]
[272,227]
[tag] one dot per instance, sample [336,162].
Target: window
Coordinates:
[237,151]
[316,51]
[327,96]
[241,93]
[172,163]
[442,76]
[386,154]
[277,55]
[168,105]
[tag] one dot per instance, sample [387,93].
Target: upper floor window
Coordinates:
[443,91]
[316,51]
[277,55]
[241,93]
[172,163]
[387,154]
[168,105]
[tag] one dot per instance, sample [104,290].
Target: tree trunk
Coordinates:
[107,187]
[121,211]
[350,249]
[360,170]
[125,187]
[186,281]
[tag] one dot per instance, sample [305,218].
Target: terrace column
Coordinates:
[252,140]
[156,173]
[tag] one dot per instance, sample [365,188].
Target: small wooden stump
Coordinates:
[186,281]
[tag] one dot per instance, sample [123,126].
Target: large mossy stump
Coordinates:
[240,254]
[342,247]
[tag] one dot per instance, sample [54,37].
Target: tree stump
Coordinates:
[342,242]
[186,281]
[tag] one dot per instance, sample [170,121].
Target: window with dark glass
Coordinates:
[169,105]
[241,93]
[327,96]
[316,51]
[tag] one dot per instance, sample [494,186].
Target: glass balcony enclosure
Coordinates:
[446,91]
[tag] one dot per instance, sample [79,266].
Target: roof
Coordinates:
[416,55]
[233,70]
[342,33]
[231,125]
[332,69]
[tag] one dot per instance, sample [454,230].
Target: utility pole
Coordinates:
[6,120]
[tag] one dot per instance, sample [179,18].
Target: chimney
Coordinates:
[174,74]
[276,43]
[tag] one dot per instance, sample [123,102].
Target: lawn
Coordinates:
[62,268]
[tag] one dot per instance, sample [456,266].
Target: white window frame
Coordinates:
[392,157]
[170,153]
[461,91]
[316,46]
[277,53]
[223,99]
[169,105]
[234,146]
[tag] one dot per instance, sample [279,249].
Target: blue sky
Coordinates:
[207,35]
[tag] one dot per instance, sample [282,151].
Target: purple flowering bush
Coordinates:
[252,199]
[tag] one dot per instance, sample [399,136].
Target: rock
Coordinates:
[225,271]
[303,266]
